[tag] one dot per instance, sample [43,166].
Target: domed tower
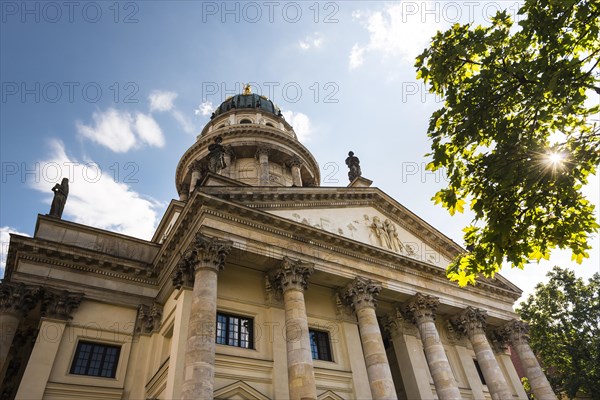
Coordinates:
[249,141]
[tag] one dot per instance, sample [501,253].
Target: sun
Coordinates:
[555,159]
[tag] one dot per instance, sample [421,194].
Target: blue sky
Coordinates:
[111,94]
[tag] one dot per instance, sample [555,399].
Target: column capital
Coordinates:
[291,274]
[203,253]
[60,304]
[295,161]
[421,308]
[361,292]
[395,324]
[148,319]
[18,298]
[263,150]
[470,321]
[514,331]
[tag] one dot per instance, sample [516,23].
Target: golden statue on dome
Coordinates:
[247,89]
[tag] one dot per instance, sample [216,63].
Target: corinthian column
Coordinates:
[471,322]
[263,170]
[517,334]
[196,170]
[295,164]
[361,296]
[421,311]
[205,257]
[291,279]
[16,300]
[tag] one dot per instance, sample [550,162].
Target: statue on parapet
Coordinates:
[354,164]
[61,192]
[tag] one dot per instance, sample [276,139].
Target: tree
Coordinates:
[564,319]
[514,135]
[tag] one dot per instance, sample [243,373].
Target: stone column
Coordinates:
[263,170]
[57,308]
[205,258]
[517,334]
[291,279]
[16,300]
[196,169]
[184,192]
[472,323]
[295,164]
[411,358]
[361,296]
[421,312]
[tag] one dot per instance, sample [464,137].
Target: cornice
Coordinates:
[342,197]
[75,258]
[201,204]
[246,134]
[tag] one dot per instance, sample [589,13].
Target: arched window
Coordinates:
[245,121]
[270,124]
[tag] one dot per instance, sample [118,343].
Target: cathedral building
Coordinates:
[257,284]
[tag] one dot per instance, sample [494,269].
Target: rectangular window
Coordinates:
[319,345]
[96,359]
[479,371]
[233,330]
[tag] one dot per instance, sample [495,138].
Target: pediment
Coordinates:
[365,215]
[368,225]
[239,391]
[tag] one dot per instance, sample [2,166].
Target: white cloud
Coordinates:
[111,129]
[161,100]
[205,108]
[315,40]
[184,122]
[301,124]
[394,34]
[356,56]
[5,232]
[96,199]
[148,130]
[120,131]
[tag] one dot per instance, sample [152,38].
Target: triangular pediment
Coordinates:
[365,215]
[239,391]
[356,220]
[368,225]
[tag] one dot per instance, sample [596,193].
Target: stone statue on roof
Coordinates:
[353,164]
[61,191]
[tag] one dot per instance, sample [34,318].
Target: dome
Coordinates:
[245,101]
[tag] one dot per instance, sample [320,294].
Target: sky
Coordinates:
[111,94]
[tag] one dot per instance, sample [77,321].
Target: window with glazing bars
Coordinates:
[234,330]
[96,359]
[319,345]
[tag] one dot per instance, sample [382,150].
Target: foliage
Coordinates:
[509,91]
[527,388]
[564,319]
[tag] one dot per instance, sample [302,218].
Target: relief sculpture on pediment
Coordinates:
[385,233]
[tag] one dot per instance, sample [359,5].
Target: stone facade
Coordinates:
[257,284]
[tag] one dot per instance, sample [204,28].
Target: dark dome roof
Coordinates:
[252,100]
